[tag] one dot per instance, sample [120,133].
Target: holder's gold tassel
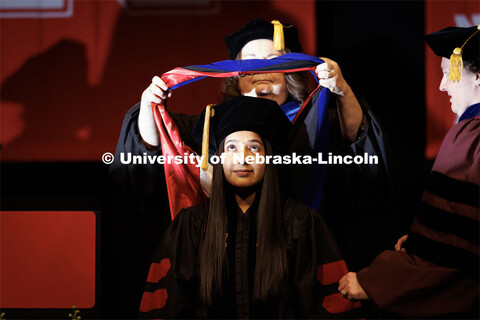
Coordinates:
[456,61]
[456,65]
[209,112]
[278,37]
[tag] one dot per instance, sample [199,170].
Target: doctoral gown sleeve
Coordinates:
[145,181]
[358,199]
[316,268]
[437,276]
[380,178]
[172,283]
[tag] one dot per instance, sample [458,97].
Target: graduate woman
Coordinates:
[247,252]
[436,274]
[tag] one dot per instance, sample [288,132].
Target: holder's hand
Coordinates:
[350,289]
[157,92]
[399,246]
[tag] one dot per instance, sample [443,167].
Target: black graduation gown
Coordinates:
[173,281]
[356,201]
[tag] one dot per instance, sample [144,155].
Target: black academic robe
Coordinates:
[356,201]
[437,276]
[314,268]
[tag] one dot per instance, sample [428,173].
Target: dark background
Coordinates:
[381,52]
[379,46]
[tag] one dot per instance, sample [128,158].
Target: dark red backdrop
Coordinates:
[67,82]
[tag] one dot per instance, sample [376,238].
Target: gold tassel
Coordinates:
[456,61]
[278,37]
[456,65]
[209,112]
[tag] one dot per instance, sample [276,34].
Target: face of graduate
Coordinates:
[272,86]
[238,146]
[463,93]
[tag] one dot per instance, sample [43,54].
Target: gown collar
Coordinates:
[472,111]
[290,109]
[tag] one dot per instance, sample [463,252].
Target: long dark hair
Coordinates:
[271,260]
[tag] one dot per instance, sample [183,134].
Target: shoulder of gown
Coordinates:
[459,154]
[304,224]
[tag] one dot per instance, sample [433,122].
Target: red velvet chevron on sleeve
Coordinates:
[329,274]
[156,299]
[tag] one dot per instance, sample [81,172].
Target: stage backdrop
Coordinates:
[438,15]
[70,69]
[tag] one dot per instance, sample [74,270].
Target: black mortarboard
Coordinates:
[261,29]
[259,115]
[456,44]
[443,42]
